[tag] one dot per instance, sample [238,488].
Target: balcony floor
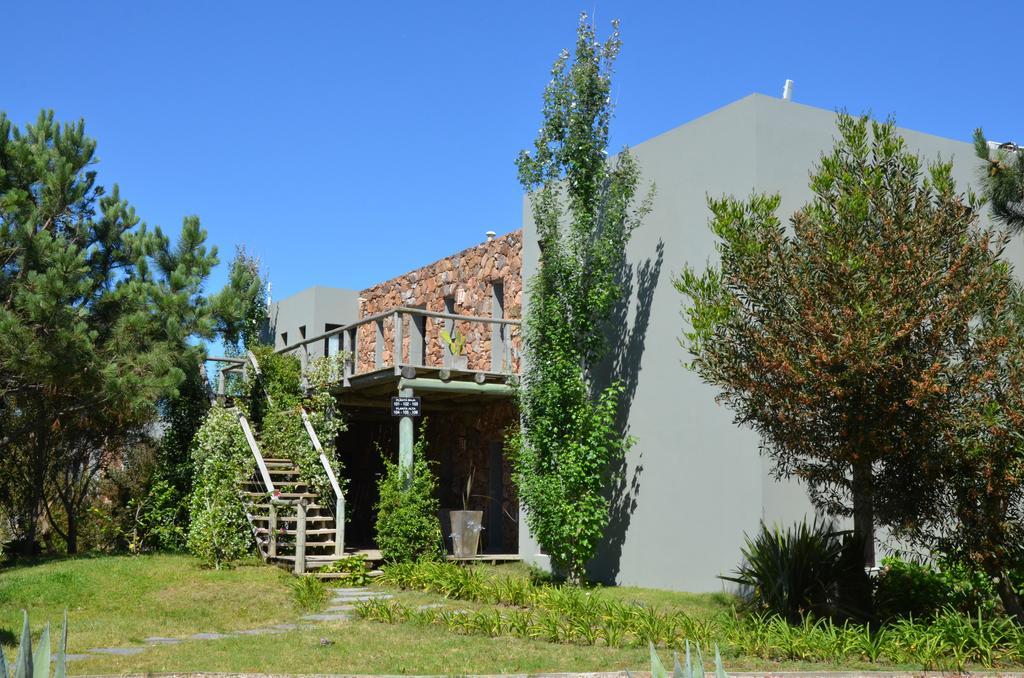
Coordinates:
[375,388]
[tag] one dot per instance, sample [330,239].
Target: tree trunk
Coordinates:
[864,509]
[71,538]
[1011,599]
[36,492]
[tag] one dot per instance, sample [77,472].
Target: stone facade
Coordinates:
[470,442]
[463,284]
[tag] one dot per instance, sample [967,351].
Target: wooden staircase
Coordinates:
[293,526]
[277,526]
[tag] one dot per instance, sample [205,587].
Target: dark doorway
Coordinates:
[370,435]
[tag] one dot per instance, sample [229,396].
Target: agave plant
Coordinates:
[691,669]
[29,665]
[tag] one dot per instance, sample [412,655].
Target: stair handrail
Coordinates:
[339,498]
[260,463]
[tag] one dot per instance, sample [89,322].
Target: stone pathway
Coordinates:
[343,602]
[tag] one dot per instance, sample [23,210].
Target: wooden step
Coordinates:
[320,560]
[292,519]
[342,575]
[322,530]
[285,495]
[309,507]
[283,487]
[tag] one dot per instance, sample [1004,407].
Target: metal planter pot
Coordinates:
[466,526]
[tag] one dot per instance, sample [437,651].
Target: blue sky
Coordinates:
[344,143]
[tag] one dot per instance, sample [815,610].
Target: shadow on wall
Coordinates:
[627,341]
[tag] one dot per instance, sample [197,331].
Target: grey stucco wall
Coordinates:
[695,482]
[313,308]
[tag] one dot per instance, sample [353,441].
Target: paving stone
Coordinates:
[259,632]
[327,617]
[350,590]
[340,608]
[120,651]
[365,596]
[430,606]
[209,636]
[157,640]
[285,627]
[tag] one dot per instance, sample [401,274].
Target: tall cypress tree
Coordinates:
[97,314]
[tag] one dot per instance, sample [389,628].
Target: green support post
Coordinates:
[405,440]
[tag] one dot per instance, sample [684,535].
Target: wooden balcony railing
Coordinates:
[405,336]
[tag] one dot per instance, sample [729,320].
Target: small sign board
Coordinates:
[402,406]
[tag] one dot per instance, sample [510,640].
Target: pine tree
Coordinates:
[97,314]
[1003,180]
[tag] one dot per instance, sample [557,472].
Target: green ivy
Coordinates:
[218,528]
[278,419]
[408,528]
[582,207]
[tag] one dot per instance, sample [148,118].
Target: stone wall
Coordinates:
[467,279]
[469,442]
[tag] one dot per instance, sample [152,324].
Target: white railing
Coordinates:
[339,498]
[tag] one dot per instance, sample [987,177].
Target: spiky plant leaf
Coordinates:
[677,669]
[698,667]
[60,662]
[23,664]
[4,673]
[657,668]
[688,670]
[719,669]
[41,659]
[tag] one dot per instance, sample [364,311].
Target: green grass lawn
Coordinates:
[123,599]
[120,600]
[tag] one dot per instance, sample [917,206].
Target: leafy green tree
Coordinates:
[96,316]
[583,209]
[841,340]
[1003,181]
[976,516]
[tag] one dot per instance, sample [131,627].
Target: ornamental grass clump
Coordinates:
[806,570]
[565,614]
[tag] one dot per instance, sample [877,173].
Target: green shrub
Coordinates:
[806,569]
[951,641]
[355,568]
[219,531]
[408,526]
[922,590]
